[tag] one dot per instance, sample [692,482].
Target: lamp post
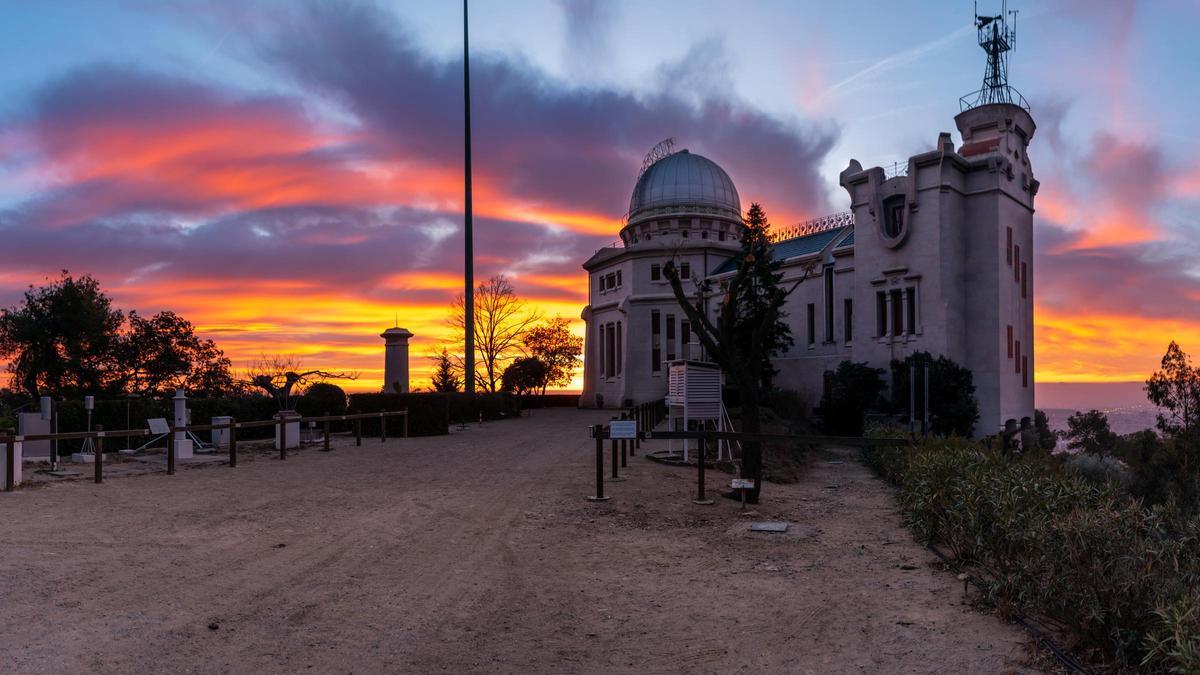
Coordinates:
[468,232]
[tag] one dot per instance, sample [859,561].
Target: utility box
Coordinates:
[220,437]
[291,429]
[31,424]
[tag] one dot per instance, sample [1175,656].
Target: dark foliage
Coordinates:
[854,388]
[320,399]
[525,375]
[1046,438]
[1088,432]
[953,410]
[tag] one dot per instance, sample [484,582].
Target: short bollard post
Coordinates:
[616,460]
[281,430]
[405,424]
[232,443]
[171,452]
[637,441]
[10,463]
[624,448]
[599,496]
[701,497]
[99,454]
[382,428]
[358,432]
[326,432]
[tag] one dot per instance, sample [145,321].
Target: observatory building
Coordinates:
[934,257]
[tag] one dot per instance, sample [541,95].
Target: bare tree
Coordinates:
[501,321]
[279,375]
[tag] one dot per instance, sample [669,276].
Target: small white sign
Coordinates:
[622,429]
[742,483]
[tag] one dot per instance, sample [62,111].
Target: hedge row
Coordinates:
[430,414]
[1121,578]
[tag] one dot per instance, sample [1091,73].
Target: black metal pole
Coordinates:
[282,429]
[326,432]
[382,428]
[468,226]
[98,453]
[616,460]
[170,451]
[10,464]
[358,432]
[596,433]
[701,497]
[232,443]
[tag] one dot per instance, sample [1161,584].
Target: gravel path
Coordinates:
[476,552]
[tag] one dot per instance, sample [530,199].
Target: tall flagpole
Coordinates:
[468,233]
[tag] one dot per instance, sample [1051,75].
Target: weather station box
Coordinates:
[620,430]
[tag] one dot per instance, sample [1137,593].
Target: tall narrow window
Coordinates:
[655,272]
[897,313]
[1024,285]
[1017,351]
[880,314]
[1016,263]
[910,310]
[670,337]
[1024,371]
[610,366]
[812,324]
[619,341]
[685,270]
[829,304]
[685,337]
[848,319]
[721,235]
[655,341]
[600,352]
[618,277]
[1010,344]
[1008,246]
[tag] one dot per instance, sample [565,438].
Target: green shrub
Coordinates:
[953,409]
[1120,577]
[322,398]
[428,412]
[851,390]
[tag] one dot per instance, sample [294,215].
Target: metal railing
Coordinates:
[9,440]
[992,95]
[832,221]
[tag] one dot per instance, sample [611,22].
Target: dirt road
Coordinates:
[475,552]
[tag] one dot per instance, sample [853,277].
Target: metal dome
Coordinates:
[685,179]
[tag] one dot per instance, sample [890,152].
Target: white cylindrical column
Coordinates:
[183,444]
[395,359]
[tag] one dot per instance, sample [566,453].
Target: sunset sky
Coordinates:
[288,175]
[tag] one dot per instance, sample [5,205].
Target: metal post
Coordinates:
[382,427]
[615,460]
[10,463]
[170,451]
[701,498]
[282,437]
[98,453]
[925,423]
[54,443]
[468,231]
[637,442]
[624,446]
[358,432]
[596,433]
[405,424]
[912,397]
[327,432]
[232,443]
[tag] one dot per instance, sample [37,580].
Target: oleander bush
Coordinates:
[1119,577]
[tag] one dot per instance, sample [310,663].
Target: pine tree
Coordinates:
[445,376]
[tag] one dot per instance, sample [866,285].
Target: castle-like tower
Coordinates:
[395,359]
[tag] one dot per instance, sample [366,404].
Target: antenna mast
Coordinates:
[997,38]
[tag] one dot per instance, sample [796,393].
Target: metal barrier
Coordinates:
[99,434]
[707,438]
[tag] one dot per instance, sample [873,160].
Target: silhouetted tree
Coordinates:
[501,321]
[556,346]
[746,328]
[1176,389]
[446,373]
[952,405]
[322,398]
[1089,433]
[852,389]
[1046,438]
[525,375]
[280,374]
[163,352]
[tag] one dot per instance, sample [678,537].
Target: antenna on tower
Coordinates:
[997,38]
[662,149]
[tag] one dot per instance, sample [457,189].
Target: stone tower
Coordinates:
[395,359]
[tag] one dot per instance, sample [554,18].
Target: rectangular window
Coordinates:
[812,324]
[721,235]
[704,234]
[1008,247]
[600,284]
[1017,351]
[655,341]
[829,304]
[1016,263]
[685,337]
[612,351]
[848,319]
[619,341]
[1024,371]
[655,272]
[910,310]
[600,352]
[685,270]
[897,313]
[1010,344]
[612,281]
[618,277]
[670,337]
[1024,285]
[880,314]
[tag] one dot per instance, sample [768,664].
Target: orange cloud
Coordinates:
[1090,346]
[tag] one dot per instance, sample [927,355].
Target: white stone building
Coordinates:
[937,258]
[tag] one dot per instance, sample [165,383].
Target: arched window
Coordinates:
[893,216]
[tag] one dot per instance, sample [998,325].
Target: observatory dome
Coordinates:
[688,180]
